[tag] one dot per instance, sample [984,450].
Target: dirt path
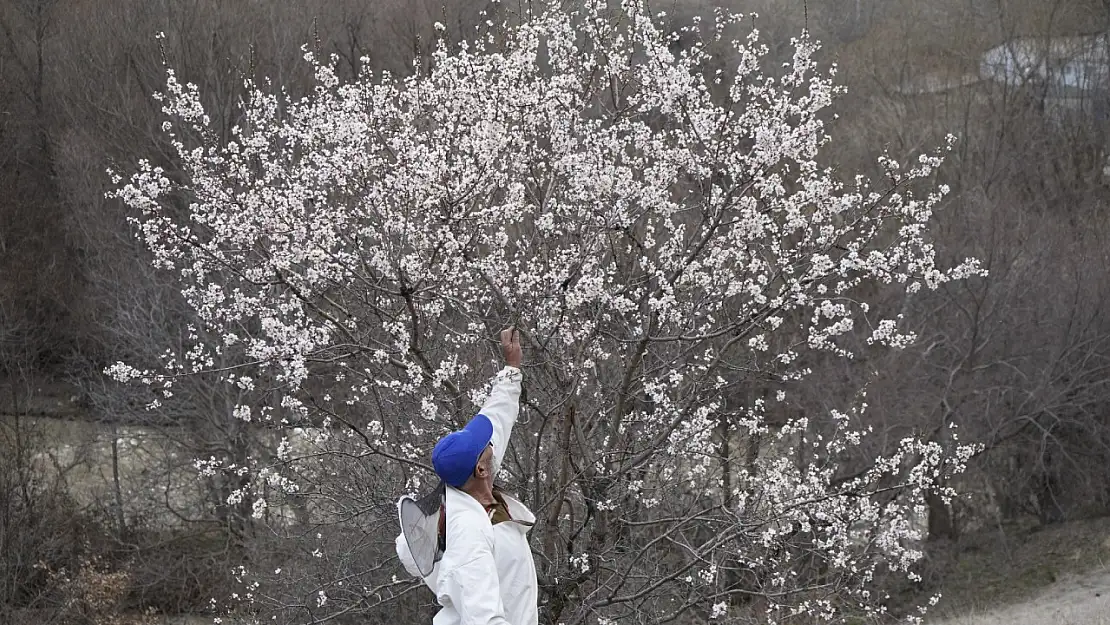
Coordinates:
[1074,600]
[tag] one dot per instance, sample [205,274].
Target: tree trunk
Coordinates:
[117,490]
[941,523]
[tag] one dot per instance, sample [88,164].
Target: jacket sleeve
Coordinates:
[402,546]
[472,588]
[405,556]
[502,408]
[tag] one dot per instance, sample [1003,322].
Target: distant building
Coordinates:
[1071,74]
[1067,78]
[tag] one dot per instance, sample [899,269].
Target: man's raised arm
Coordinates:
[503,404]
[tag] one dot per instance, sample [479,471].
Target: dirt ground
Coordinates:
[1073,600]
[1028,575]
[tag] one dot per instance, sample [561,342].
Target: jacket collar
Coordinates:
[459,499]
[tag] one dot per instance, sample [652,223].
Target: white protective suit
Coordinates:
[487,575]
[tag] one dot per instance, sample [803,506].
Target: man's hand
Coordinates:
[510,347]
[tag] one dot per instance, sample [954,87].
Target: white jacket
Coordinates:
[487,575]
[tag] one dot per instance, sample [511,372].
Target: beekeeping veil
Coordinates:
[422,525]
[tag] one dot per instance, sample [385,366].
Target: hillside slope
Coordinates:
[1027,575]
[1073,600]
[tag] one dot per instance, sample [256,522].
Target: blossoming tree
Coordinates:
[659,226]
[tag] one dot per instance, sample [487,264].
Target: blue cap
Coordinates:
[456,454]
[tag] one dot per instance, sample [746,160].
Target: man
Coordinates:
[486,574]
